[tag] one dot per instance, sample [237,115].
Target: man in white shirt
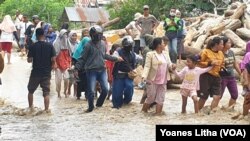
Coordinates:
[21,29]
[134,32]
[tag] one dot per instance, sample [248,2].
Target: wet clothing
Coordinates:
[44,83]
[123,87]
[93,62]
[209,86]
[231,84]
[229,79]
[156,93]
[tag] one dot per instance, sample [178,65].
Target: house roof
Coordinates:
[85,14]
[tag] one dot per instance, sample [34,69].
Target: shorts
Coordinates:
[61,74]
[6,46]
[44,83]
[188,93]
[22,42]
[209,85]
[142,42]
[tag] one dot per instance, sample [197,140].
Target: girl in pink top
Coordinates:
[190,84]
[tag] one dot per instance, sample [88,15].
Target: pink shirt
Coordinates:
[245,60]
[160,77]
[191,77]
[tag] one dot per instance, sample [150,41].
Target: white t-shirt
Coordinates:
[23,28]
[6,37]
[135,31]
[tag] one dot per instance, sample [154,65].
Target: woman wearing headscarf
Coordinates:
[82,80]
[72,43]
[7,30]
[63,61]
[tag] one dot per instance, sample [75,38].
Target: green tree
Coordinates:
[159,8]
[126,9]
[48,10]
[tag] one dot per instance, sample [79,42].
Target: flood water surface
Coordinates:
[67,120]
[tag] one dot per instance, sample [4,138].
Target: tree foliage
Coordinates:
[159,8]
[126,9]
[48,10]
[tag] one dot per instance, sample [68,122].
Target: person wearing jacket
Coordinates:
[123,86]
[156,74]
[93,61]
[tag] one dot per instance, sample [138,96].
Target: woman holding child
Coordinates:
[156,74]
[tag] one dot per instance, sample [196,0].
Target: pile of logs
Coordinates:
[234,24]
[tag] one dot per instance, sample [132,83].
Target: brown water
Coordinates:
[67,120]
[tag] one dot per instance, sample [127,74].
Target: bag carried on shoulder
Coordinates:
[63,59]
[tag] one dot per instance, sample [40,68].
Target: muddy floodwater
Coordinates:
[67,120]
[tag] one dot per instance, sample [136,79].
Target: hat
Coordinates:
[145,7]
[35,17]
[137,16]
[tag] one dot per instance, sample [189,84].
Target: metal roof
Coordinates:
[85,14]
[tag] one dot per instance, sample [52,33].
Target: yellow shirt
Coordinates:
[207,55]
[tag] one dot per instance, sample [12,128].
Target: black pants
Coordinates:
[137,46]
[81,84]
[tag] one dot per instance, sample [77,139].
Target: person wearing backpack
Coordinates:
[63,62]
[93,62]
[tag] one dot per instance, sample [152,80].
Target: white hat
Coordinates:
[145,7]
[137,16]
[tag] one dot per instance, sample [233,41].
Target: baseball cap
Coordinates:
[137,16]
[34,17]
[145,7]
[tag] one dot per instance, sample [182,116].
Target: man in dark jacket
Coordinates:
[93,61]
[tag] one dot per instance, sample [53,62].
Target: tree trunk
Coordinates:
[247,24]
[228,13]
[200,41]
[239,11]
[208,24]
[189,37]
[218,29]
[238,51]
[190,51]
[247,20]
[235,38]
[243,33]
[234,24]
[111,22]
